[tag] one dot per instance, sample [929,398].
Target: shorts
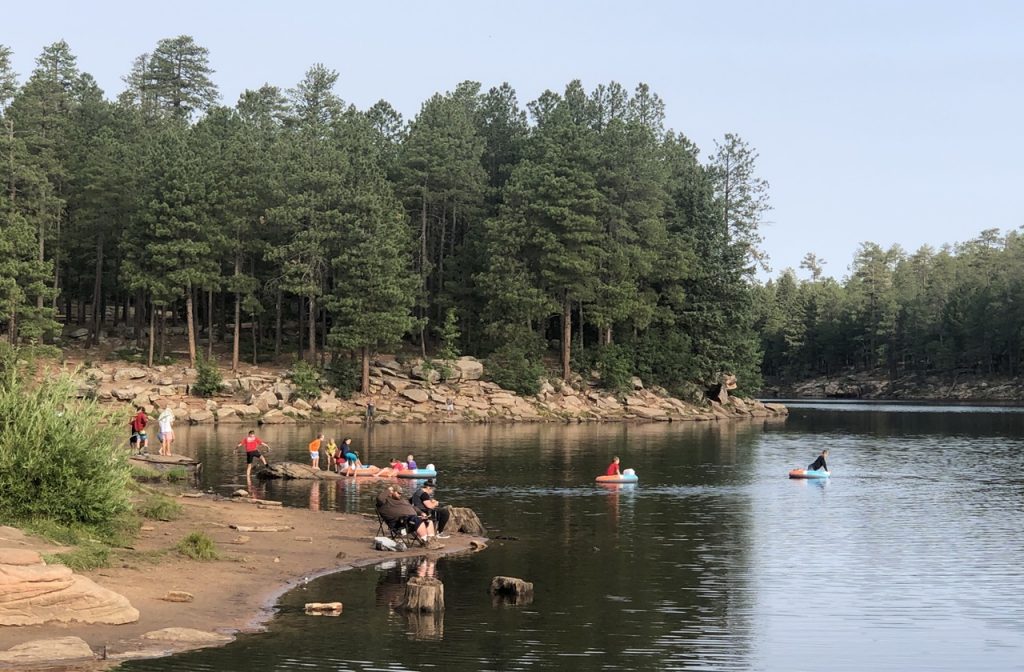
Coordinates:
[168,436]
[314,454]
[351,458]
[251,455]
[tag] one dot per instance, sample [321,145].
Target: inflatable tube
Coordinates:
[365,470]
[812,473]
[417,473]
[624,478]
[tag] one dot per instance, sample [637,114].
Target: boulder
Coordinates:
[636,383]
[33,593]
[81,332]
[275,417]
[302,405]
[421,372]
[649,413]
[211,405]
[465,520]
[397,384]
[416,394]
[470,368]
[123,393]
[200,416]
[99,375]
[283,391]
[37,652]
[328,403]
[186,635]
[503,399]
[295,412]
[265,401]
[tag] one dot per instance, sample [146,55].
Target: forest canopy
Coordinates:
[576,226]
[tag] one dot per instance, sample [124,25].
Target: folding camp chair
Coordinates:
[397,534]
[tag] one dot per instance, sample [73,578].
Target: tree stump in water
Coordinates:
[511,589]
[466,521]
[423,593]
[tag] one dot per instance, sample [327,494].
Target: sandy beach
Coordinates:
[233,594]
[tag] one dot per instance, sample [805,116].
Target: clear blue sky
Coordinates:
[888,121]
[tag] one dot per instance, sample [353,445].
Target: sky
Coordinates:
[895,122]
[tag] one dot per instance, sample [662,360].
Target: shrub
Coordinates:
[208,378]
[198,546]
[450,335]
[344,375]
[515,367]
[61,458]
[616,366]
[176,474]
[145,474]
[159,507]
[306,379]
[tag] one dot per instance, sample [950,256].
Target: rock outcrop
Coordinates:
[33,593]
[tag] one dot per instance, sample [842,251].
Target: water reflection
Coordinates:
[715,560]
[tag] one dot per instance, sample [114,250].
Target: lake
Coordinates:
[908,558]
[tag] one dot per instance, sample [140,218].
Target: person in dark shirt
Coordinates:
[399,514]
[820,462]
[424,502]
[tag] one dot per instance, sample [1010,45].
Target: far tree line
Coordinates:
[577,225]
[955,310]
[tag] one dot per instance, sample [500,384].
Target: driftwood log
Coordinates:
[466,521]
[511,590]
[323,608]
[423,593]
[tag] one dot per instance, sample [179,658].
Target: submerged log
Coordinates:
[423,593]
[466,521]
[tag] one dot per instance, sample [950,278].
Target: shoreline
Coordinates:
[236,594]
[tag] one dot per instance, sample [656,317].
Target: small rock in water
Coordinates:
[240,493]
[177,596]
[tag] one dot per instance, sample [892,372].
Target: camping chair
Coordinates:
[397,534]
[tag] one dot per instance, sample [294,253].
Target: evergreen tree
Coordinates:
[175,78]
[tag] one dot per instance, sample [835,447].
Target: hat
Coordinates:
[429,483]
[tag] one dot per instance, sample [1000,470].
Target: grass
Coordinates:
[198,546]
[159,507]
[176,474]
[90,555]
[145,474]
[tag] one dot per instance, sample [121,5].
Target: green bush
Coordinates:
[615,363]
[176,474]
[450,335]
[160,507]
[61,458]
[198,546]
[145,474]
[208,378]
[306,379]
[344,375]
[515,367]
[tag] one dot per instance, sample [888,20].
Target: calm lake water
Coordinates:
[908,558]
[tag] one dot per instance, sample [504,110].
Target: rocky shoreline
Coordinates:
[409,392]
[875,385]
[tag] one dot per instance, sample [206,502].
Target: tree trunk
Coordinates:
[255,329]
[423,593]
[97,290]
[566,337]
[163,331]
[366,370]
[209,324]
[302,324]
[152,331]
[277,326]
[237,332]
[190,325]
[312,329]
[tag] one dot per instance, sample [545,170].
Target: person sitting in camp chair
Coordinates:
[400,515]
[423,501]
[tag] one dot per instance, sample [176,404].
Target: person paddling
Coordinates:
[613,468]
[819,463]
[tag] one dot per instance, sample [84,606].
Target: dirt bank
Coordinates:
[232,594]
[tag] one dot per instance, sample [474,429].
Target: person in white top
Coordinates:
[166,421]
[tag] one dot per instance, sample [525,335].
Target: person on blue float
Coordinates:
[819,463]
[410,462]
[613,468]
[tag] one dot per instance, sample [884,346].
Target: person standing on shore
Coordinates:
[139,441]
[166,422]
[252,445]
[314,450]
[371,409]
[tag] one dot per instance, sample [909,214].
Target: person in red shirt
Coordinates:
[139,441]
[252,445]
[613,468]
